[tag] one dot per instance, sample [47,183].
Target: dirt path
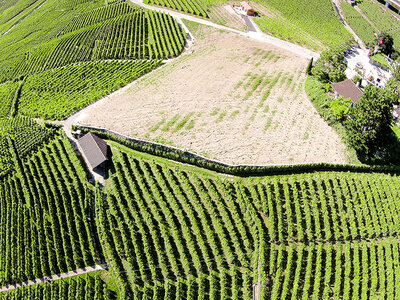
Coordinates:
[260,36]
[338,7]
[53,277]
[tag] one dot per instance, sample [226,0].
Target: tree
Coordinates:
[369,122]
[340,107]
[385,43]
[331,66]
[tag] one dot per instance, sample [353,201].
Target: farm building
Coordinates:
[94,149]
[247,8]
[347,89]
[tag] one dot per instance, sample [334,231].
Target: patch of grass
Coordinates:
[221,117]
[280,100]
[238,85]
[267,54]
[182,123]
[306,136]
[234,114]
[214,112]
[155,127]
[276,59]
[250,81]
[171,123]
[190,125]
[271,86]
[268,125]
[266,108]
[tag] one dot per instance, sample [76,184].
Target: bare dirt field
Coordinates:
[229,98]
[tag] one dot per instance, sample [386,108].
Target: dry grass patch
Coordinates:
[238,100]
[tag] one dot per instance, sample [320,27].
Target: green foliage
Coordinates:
[79,287]
[47,229]
[168,221]
[312,23]
[331,66]
[385,43]
[27,136]
[309,66]
[7,92]
[369,122]
[195,7]
[382,18]
[56,93]
[359,24]
[340,107]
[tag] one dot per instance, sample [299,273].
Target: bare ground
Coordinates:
[233,99]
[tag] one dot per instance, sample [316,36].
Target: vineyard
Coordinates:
[314,24]
[185,233]
[27,136]
[359,24]
[82,287]
[44,215]
[195,7]
[86,50]
[56,93]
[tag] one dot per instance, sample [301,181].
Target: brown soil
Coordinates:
[213,101]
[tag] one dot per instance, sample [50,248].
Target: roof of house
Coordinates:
[245,5]
[94,149]
[348,89]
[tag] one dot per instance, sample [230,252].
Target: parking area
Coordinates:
[358,62]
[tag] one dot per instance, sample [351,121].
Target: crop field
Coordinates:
[44,214]
[381,18]
[99,46]
[81,287]
[314,24]
[182,232]
[359,24]
[232,99]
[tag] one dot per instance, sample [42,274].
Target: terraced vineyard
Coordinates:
[44,216]
[189,234]
[99,45]
[359,24]
[314,24]
[82,287]
[195,7]
[27,135]
[56,93]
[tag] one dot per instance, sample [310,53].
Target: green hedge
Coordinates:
[237,170]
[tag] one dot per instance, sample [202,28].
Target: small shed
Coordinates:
[247,8]
[94,149]
[347,89]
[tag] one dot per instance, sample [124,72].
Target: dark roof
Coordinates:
[94,148]
[348,89]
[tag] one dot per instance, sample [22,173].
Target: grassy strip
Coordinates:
[182,123]
[171,123]
[321,101]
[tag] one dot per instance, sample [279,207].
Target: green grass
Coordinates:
[157,126]
[170,123]
[312,23]
[182,122]
[214,112]
[221,117]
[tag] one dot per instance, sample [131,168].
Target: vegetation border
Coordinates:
[183,156]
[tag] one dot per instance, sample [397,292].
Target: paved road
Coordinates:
[256,35]
[250,26]
[53,277]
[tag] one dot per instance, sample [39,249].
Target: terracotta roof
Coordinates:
[348,89]
[245,5]
[94,148]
